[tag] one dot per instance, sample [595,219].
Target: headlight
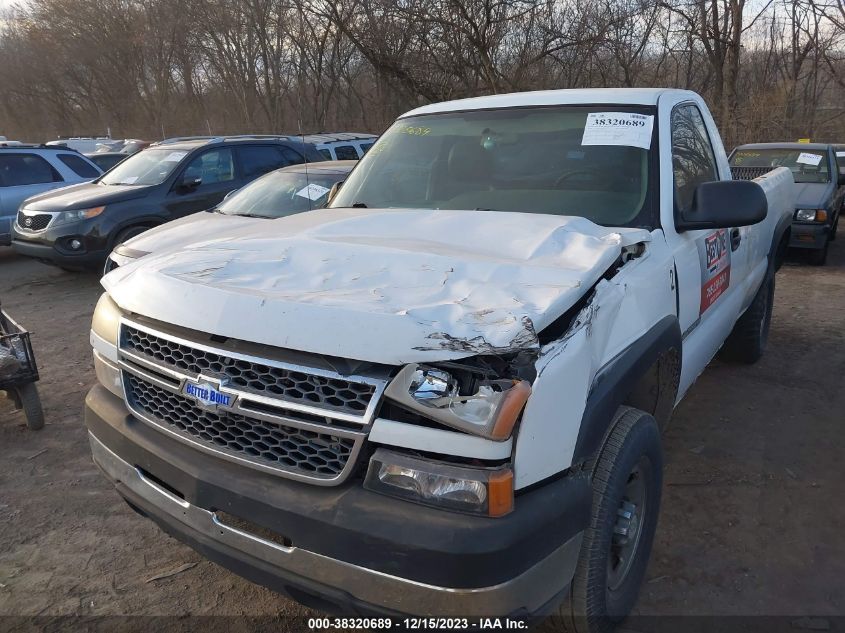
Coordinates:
[79,214]
[491,409]
[811,215]
[108,374]
[485,491]
[106,321]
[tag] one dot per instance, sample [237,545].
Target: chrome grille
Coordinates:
[318,454]
[291,420]
[251,376]
[35,222]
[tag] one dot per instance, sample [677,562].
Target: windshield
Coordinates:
[588,161]
[281,193]
[149,167]
[806,165]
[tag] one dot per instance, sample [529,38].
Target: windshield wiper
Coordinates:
[359,205]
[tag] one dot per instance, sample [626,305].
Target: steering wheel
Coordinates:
[594,173]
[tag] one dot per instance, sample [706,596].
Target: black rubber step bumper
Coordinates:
[346,546]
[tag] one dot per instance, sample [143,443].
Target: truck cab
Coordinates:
[443,394]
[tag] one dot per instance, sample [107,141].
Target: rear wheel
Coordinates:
[747,341]
[627,482]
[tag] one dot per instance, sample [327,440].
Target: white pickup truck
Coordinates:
[443,395]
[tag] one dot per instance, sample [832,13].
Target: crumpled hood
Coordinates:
[84,195]
[197,227]
[387,286]
[812,195]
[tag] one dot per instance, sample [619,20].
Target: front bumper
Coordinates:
[346,549]
[50,254]
[805,235]
[52,245]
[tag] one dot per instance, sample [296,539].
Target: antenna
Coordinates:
[299,117]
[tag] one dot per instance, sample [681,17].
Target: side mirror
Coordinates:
[333,192]
[189,182]
[724,204]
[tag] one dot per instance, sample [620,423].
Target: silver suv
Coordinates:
[27,170]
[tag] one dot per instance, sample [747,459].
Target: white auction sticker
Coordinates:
[808,159]
[313,192]
[618,128]
[175,157]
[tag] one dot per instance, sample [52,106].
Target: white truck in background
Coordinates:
[443,394]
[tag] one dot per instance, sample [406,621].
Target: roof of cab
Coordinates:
[579,96]
[815,146]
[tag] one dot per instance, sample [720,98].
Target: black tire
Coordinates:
[127,234]
[605,587]
[818,257]
[747,341]
[31,405]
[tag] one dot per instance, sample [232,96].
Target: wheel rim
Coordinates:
[628,526]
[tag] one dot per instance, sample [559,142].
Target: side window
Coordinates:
[292,157]
[693,160]
[346,152]
[212,167]
[326,152]
[79,166]
[26,169]
[365,147]
[259,159]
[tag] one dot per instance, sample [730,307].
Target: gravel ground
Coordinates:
[752,515]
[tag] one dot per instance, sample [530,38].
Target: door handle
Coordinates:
[736,238]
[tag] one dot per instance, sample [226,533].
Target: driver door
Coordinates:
[215,169]
[711,265]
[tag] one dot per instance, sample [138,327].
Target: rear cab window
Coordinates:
[26,169]
[79,166]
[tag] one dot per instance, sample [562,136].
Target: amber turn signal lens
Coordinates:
[500,493]
[515,399]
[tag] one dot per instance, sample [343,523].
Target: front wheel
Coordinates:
[627,481]
[30,402]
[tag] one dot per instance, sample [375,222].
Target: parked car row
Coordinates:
[78,226]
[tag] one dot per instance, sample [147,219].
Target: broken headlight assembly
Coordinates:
[475,403]
[484,491]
